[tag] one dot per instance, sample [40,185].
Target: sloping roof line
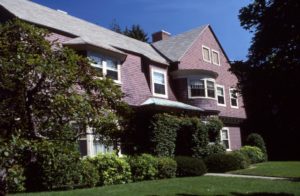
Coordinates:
[169,103]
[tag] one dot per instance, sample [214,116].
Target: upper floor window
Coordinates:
[215,57]
[225,140]
[233,98]
[159,82]
[206,54]
[201,88]
[221,95]
[105,66]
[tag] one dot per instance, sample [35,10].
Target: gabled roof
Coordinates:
[175,47]
[168,103]
[99,36]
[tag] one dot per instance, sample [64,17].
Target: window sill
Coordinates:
[210,98]
[234,107]
[160,96]
[222,105]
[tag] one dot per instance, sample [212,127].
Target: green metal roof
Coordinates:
[169,103]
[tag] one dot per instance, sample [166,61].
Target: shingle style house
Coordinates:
[187,72]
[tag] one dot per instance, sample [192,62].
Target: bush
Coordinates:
[242,159]
[189,166]
[166,167]
[215,148]
[143,167]
[16,179]
[254,153]
[111,169]
[89,174]
[225,162]
[57,166]
[255,139]
[165,128]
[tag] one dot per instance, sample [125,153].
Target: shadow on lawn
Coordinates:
[262,194]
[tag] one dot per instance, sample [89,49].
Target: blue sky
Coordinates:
[174,16]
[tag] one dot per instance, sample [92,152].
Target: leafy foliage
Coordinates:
[189,166]
[255,139]
[16,179]
[215,148]
[166,167]
[89,174]
[254,153]
[268,78]
[111,169]
[143,167]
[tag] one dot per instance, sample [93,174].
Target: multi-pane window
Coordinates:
[206,54]
[233,98]
[215,57]
[159,81]
[97,63]
[201,88]
[225,138]
[221,95]
[98,147]
[112,69]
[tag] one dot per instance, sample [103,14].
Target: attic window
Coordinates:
[215,57]
[206,54]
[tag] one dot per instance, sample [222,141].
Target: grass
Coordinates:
[193,186]
[290,169]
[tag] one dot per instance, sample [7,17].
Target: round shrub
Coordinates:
[255,139]
[16,179]
[242,159]
[254,153]
[189,166]
[143,167]
[111,169]
[225,162]
[166,167]
[89,174]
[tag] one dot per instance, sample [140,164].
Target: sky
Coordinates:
[174,16]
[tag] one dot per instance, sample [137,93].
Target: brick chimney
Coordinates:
[160,35]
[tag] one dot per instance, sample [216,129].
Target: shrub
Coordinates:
[166,167]
[89,174]
[254,153]
[143,167]
[16,179]
[165,128]
[215,148]
[57,166]
[189,166]
[224,162]
[111,169]
[242,159]
[214,125]
[255,139]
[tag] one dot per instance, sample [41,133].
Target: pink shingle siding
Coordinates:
[235,138]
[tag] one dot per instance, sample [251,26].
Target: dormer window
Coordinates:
[97,63]
[159,82]
[112,69]
[206,54]
[215,57]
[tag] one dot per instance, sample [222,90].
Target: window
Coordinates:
[201,88]
[206,54]
[159,82]
[215,57]
[233,98]
[221,95]
[105,66]
[98,147]
[225,138]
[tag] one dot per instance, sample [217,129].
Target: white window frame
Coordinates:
[237,99]
[104,66]
[221,139]
[215,51]
[209,54]
[223,87]
[164,72]
[205,88]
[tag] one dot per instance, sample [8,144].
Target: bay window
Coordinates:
[204,88]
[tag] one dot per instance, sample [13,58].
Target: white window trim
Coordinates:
[209,54]
[223,87]
[164,72]
[205,88]
[228,133]
[212,51]
[237,99]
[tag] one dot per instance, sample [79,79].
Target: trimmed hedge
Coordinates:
[166,167]
[189,166]
[111,169]
[254,153]
[143,167]
[255,139]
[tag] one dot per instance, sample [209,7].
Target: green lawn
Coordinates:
[289,169]
[193,186]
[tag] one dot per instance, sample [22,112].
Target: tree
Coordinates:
[114,26]
[45,89]
[136,32]
[270,76]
